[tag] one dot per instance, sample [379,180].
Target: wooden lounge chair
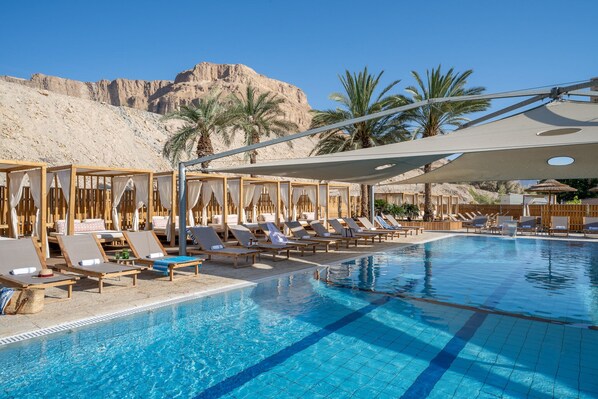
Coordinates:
[149,251]
[395,223]
[528,224]
[275,236]
[477,224]
[323,233]
[369,226]
[500,223]
[81,251]
[210,244]
[559,225]
[359,230]
[25,254]
[246,239]
[349,232]
[301,234]
[590,226]
[384,224]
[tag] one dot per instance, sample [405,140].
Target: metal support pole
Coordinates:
[182,210]
[372,205]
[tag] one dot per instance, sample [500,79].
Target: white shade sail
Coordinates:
[536,133]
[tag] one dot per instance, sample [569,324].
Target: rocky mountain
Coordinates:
[163,96]
[41,125]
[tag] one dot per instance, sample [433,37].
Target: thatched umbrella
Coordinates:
[551,187]
[594,190]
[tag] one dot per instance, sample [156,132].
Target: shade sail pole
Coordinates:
[182,210]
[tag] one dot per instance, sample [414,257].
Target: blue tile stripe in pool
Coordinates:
[231,383]
[425,382]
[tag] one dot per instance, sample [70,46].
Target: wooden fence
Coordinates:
[576,213]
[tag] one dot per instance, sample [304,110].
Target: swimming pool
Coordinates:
[552,279]
[294,336]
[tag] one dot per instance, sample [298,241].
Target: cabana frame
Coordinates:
[97,172]
[8,166]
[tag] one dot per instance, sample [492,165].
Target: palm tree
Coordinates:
[434,119]
[359,99]
[260,115]
[203,119]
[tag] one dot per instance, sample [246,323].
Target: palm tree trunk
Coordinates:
[364,200]
[204,148]
[428,211]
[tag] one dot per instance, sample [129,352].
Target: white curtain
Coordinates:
[248,192]
[15,189]
[311,194]
[323,197]
[35,181]
[345,196]
[218,190]
[257,194]
[284,197]
[271,189]
[165,192]
[64,179]
[119,186]
[140,182]
[206,195]
[193,193]
[234,187]
[297,193]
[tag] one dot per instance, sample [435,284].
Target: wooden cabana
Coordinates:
[260,198]
[205,198]
[29,201]
[341,193]
[299,198]
[93,192]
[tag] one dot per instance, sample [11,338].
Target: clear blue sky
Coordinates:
[509,44]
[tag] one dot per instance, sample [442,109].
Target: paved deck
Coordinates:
[153,288]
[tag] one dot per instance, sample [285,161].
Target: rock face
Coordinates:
[41,125]
[162,96]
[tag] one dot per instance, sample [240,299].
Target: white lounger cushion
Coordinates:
[23,270]
[89,262]
[155,255]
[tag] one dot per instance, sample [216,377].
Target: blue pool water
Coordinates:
[550,279]
[296,337]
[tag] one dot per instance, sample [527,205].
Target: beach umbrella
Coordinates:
[594,190]
[551,187]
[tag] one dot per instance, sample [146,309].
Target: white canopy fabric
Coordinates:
[539,132]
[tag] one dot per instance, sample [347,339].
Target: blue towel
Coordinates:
[5,296]
[161,264]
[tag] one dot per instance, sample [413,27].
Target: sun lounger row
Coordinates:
[531,224]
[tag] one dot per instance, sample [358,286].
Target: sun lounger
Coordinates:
[359,230]
[349,232]
[301,234]
[559,225]
[149,251]
[247,239]
[395,224]
[528,224]
[323,233]
[384,224]
[477,224]
[500,223]
[25,256]
[210,244]
[84,255]
[590,226]
[369,226]
[275,236]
